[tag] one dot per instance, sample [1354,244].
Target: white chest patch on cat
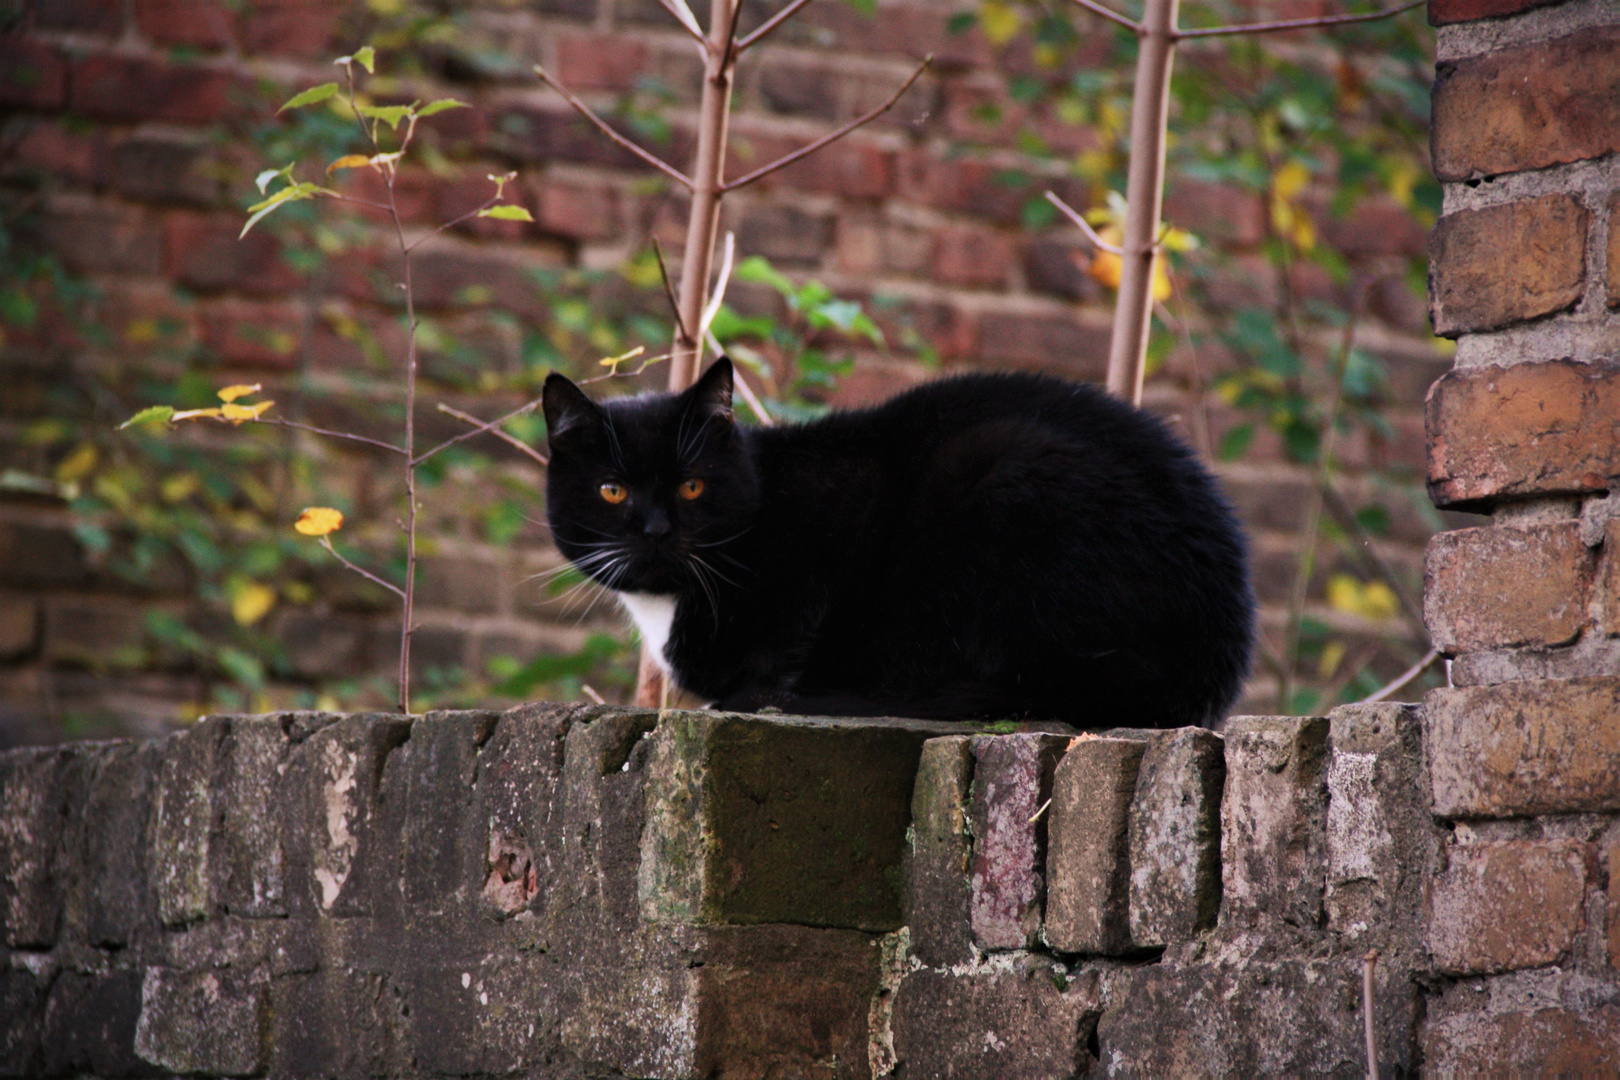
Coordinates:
[654,614]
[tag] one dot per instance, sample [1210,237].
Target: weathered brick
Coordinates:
[1088,871]
[1274,820]
[137,88]
[182,823]
[33,794]
[1175,837]
[253,333]
[1528,107]
[1529,429]
[22,1021]
[439,764]
[1507,905]
[1445,12]
[304,29]
[755,820]
[32,73]
[197,24]
[1501,586]
[972,256]
[1027,1019]
[1546,1042]
[119,902]
[202,1022]
[1612,263]
[1614,905]
[1055,343]
[90,1023]
[1504,264]
[1012,778]
[785,234]
[63,151]
[246,862]
[339,1023]
[1532,747]
[940,853]
[1609,589]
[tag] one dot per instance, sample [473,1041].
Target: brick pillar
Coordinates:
[1525,276]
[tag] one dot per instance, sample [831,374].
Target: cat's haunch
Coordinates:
[980,547]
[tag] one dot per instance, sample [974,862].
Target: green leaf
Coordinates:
[757,270]
[311,96]
[155,413]
[366,57]
[433,108]
[388,114]
[1235,442]
[262,181]
[290,193]
[506,212]
[961,22]
[865,7]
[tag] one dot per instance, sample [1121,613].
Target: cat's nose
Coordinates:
[657,524]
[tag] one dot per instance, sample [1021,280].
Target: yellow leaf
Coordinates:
[1290,180]
[1373,600]
[194,414]
[1332,657]
[179,486]
[348,161]
[77,465]
[999,21]
[319,520]
[1161,282]
[236,414]
[251,602]
[1106,268]
[141,331]
[231,393]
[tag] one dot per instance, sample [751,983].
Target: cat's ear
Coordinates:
[710,396]
[567,407]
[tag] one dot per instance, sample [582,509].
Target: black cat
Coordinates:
[989,546]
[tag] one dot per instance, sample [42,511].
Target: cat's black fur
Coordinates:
[989,546]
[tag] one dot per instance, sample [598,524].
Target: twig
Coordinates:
[1294,24]
[329,434]
[1112,16]
[669,289]
[769,25]
[1036,816]
[606,129]
[497,432]
[1410,606]
[1367,964]
[683,15]
[474,212]
[326,543]
[1085,226]
[479,430]
[589,691]
[1403,678]
[834,136]
[719,295]
[1348,671]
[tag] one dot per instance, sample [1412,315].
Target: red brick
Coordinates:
[785,235]
[1059,268]
[528,134]
[948,329]
[40,556]
[1376,226]
[1612,280]
[1443,12]
[1614,905]
[1530,429]
[1495,267]
[853,168]
[1529,107]
[96,631]
[67,155]
[964,185]
[304,29]
[32,74]
[104,17]
[91,238]
[1610,589]
[1546,1042]
[197,24]
[468,194]
[1215,211]
[1056,343]
[1537,746]
[973,256]
[205,253]
[1088,867]
[416,194]
[137,88]
[252,333]
[19,626]
[1506,906]
[608,61]
[164,170]
[578,211]
[1012,777]
[1504,586]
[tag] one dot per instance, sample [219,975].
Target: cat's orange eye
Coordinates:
[691,489]
[613,493]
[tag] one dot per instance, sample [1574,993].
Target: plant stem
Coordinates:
[1144,199]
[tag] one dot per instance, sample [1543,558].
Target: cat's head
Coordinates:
[642,491]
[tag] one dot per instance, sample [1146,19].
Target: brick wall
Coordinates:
[131,141]
[1524,764]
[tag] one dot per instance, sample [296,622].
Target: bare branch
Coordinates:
[326,543]
[329,434]
[728,56]
[720,284]
[499,434]
[683,15]
[606,129]
[770,25]
[1293,24]
[358,202]
[669,291]
[1403,678]
[479,430]
[1085,226]
[474,212]
[1112,16]
[830,137]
